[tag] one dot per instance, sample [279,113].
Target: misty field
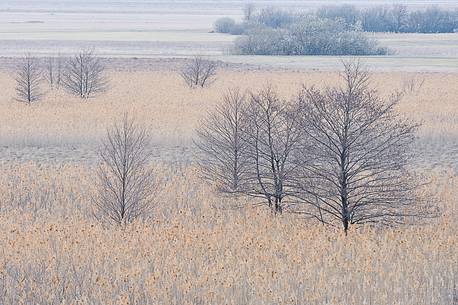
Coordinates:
[200,247]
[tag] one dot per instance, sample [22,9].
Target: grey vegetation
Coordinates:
[331,29]
[53,71]
[84,75]
[28,80]
[395,18]
[199,72]
[339,155]
[310,36]
[126,181]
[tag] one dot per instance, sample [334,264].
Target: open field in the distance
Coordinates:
[158,29]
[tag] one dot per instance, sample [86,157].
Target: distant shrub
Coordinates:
[345,12]
[433,20]
[395,18]
[224,25]
[310,36]
[274,18]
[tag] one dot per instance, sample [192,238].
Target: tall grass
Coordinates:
[197,252]
[198,249]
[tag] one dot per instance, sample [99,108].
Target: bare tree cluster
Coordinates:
[28,80]
[339,155]
[126,180]
[84,75]
[199,72]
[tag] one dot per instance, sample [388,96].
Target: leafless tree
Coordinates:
[357,150]
[28,80]
[126,182]
[272,135]
[84,75]
[199,72]
[223,152]
[53,72]
[249,146]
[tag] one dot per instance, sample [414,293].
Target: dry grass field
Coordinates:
[198,249]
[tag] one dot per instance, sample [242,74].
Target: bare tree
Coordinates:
[199,72]
[28,80]
[272,135]
[53,71]
[84,75]
[357,151]
[249,146]
[126,181]
[223,152]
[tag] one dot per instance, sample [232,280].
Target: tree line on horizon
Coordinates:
[329,30]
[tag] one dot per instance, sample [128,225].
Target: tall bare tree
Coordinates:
[84,75]
[53,71]
[224,160]
[199,72]
[249,146]
[272,135]
[28,80]
[357,150]
[126,181]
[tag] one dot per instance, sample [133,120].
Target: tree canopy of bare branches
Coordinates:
[357,151]
[272,136]
[84,75]
[247,145]
[28,80]
[126,181]
[339,155]
[224,161]
[199,72]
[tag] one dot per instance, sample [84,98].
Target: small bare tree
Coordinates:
[223,152]
[272,135]
[357,151]
[28,80]
[53,71]
[126,182]
[84,75]
[199,72]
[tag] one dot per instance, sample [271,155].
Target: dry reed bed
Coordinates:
[195,252]
[162,102]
